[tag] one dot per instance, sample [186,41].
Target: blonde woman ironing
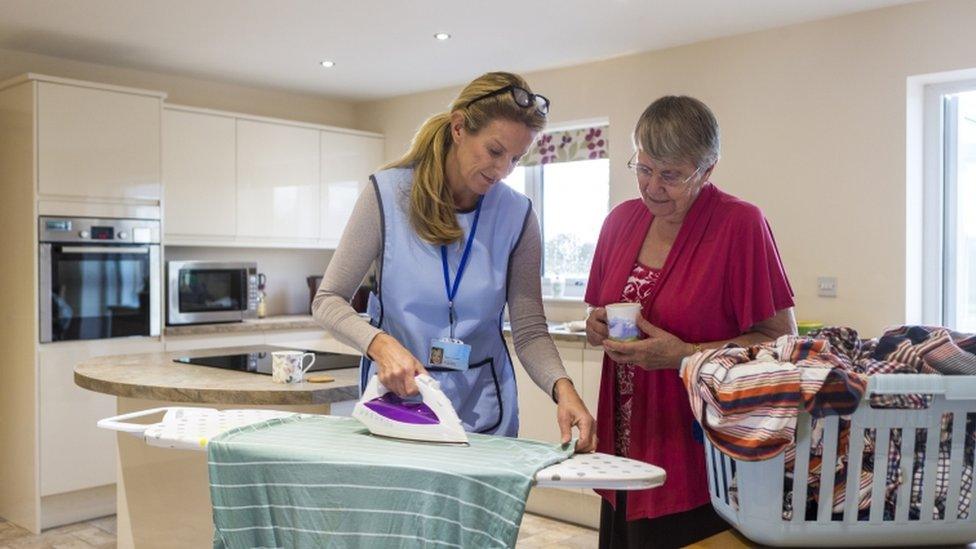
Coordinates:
[454,245]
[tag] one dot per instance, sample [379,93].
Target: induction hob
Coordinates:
[259,361]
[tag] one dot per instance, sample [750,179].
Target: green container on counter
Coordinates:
[804,328]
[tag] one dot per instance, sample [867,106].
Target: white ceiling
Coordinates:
[381,47]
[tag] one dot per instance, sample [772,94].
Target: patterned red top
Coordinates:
[639,285]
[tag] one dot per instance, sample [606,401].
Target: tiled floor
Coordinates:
[536,533]
[83,535]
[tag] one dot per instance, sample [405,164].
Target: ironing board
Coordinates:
[186,428]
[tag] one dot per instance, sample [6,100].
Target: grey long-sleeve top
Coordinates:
[361,244]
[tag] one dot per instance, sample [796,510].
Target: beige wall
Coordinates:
[813,126]
[189,91]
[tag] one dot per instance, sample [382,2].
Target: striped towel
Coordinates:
[748,399]
[324,481]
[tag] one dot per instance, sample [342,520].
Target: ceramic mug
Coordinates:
[287,366]
[622,321]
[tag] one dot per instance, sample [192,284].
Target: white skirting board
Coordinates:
[71,507]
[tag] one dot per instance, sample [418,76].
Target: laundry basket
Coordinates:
[759,513]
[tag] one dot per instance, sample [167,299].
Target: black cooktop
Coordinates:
[259,362]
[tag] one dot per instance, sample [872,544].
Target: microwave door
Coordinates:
[208,294]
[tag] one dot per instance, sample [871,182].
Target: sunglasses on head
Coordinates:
[522,97]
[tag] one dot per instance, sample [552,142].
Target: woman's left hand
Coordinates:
[660,350]
[571,412]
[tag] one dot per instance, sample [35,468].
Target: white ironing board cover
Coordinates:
[187,428]
[192,428]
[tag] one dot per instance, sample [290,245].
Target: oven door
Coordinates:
[97,292]
[208,292]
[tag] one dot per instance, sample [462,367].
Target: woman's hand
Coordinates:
[570,412]
[660,350]
[596,326]
[395,365]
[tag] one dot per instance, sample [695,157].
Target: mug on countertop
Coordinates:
[287,366]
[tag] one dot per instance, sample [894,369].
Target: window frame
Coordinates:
[939,192]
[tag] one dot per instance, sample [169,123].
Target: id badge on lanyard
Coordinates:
[450,352]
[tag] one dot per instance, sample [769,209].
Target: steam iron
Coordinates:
[432,420]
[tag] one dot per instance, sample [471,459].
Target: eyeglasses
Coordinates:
[522,97]
[670,178]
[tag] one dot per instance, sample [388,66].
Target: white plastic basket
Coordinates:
[760,486]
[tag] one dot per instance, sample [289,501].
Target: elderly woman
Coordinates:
[704,267]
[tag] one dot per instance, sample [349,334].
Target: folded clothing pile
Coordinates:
[748,400]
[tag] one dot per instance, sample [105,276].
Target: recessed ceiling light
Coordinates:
[442,36]
[328,64]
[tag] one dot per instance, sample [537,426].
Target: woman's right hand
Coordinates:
[395,365]
[596,326]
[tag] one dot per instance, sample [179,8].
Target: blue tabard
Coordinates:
[411,304]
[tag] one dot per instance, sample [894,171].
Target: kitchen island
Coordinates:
[163,497]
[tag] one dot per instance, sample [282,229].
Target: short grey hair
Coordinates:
[678,129]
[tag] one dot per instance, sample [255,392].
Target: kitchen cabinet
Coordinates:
[239,180]
[537,411]
[277,181]
[537,417]
[98,143]
[591,373]
[347,162]
[75,455]
[537,420]
[199,163]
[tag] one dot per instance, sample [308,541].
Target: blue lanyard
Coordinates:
[452,289]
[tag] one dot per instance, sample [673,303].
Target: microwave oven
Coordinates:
[211,291]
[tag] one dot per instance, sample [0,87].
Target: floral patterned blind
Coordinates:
[568,146]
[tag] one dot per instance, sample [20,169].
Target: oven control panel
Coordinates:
[114,231]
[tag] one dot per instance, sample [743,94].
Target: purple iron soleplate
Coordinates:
[393,407]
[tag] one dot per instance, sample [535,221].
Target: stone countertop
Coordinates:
[154,376]
[269,324]
[305,322]
[558,332]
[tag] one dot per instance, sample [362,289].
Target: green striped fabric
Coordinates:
[324,481]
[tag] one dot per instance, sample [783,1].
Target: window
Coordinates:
[570,191]
[960,204]
[949,195]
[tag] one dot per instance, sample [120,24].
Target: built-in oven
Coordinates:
[99,278]
[211,291]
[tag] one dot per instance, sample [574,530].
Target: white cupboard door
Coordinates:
[537,411]
[97,144]
[75,454]
[199,165]
[592,372]
[277,181]
[347,162]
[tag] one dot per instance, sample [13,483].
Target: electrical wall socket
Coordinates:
[827,286]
